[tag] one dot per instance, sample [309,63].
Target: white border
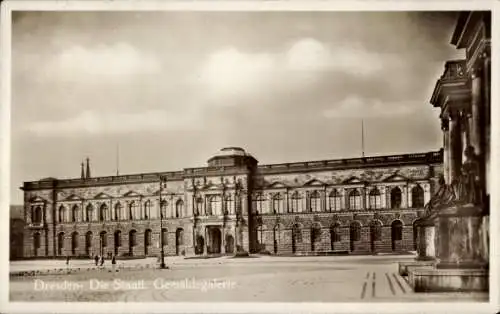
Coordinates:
[142,5]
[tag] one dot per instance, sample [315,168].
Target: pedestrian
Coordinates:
[96,259]
[113,262]
[102,260]
[67,261]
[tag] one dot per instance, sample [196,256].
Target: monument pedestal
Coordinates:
[461,257]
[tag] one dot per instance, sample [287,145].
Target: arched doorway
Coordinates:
[36,243]
[147,241]
[200,245]
[375,234]
[335,235]
[118,241]
[229,244]
[103,242]
[315,236]
[60,243]
[276,238]
[74,243]
[396,234]
[355,234]
[88,243]
[214,240]
[132,241]
[296,237]
[179,241]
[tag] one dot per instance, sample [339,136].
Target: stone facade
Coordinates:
[361,205]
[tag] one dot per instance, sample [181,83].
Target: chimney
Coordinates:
[82,172]
[87,176]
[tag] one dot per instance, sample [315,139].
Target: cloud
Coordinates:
[232,72]
[356,107]
[92,122]
[116,60]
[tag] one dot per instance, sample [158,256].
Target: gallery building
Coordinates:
[359,205]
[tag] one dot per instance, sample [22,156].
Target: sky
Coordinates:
[167,90]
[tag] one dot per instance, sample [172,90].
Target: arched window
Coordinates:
[354,200]
[118,211]
[355,231]
[147,209]
[74,242]
[315,201]
[334,201]
[75,214]
[396,198]
[417,196]
[88,242]
[259,203]
[60,243]
[147,237]
[132,241]
[179,208]
[89,213]
[164,236]
[214,205]
[375,231]
[375,200]
[228,206]
[132,210]
[163,209]
[397,230]
[103,212]
[103,237]
[295,202]
[118,238]
[37,217]
[335,235]
[60,214]
[36,240]
[277,203]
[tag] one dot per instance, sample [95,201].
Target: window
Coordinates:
[88,242]
[396,198]
[375,231]
[335,201]
[103,212]
[118,238]
[164,236]
[147,209]
[259,203]
[60,243]
[397,230]
[199,206]
[297,233]
[118,211]
[355,231]
[36,240]
[74,214]
[375,200]
[37,217]
[60,213]
[277,203]
[89,213]
[103,238]
[74,242]
[147,237]
[354,200]
[295,203]
[132,241]
[335,235]
[214,205]
[132,210]
[417,196]
[179,208]
[315,202]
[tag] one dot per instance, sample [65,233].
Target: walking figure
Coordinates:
[113,262]
[102,260]
[67,262]
[96,259]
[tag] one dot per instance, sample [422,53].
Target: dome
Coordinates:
[231,151]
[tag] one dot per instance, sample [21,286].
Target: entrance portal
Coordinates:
[200,245]
[229,244]
[214,240]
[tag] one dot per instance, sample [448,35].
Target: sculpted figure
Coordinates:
[469,187]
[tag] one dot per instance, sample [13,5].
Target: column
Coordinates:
[475,115]
[404,197]
[286,203]
[446,149]
[455,148]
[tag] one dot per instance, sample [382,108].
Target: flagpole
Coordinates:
[117,159]
[362,139]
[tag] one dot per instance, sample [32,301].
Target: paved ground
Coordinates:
[278,279]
